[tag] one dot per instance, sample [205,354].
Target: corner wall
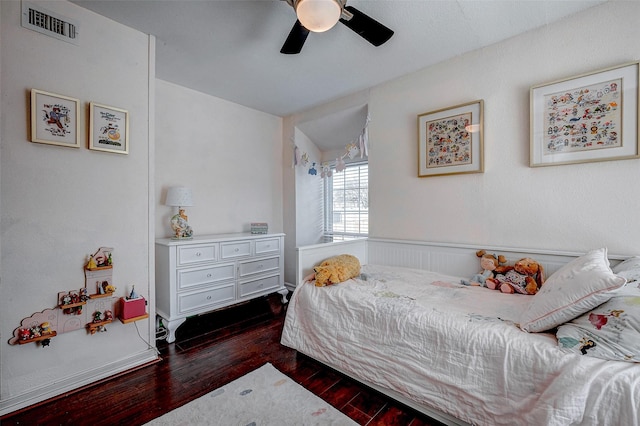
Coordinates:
[228,154]
[309,194]
[60,204]
[300,214]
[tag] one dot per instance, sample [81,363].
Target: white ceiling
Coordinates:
[231,49]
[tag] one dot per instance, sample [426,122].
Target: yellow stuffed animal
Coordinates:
[335,270]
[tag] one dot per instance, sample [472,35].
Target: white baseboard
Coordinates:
[75,382]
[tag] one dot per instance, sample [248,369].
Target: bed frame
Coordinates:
[449,259]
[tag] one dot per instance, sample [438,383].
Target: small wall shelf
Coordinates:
[39,338]
[141,317]
[77,310]
[95,326]
[100,296]
[72,305]
[99,268]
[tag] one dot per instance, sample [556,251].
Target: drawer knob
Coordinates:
[208,275]
[208,297]
[260,266]
[237,250]
[198,254]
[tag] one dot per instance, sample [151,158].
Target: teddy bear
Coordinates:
[488,263]
[526,276]
[335,270]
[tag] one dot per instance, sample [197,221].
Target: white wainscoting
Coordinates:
[451,259]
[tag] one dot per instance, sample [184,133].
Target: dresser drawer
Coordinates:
[259,266]
[196,253]
[188,278]
[206,299]
[235,249]
[260,285]
[271,245]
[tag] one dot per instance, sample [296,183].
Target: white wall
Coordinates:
[228,154]
[309,194]
[60,203]
[572,207]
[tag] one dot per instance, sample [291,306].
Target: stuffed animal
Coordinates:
[488,263]
[526,276]
[335,270]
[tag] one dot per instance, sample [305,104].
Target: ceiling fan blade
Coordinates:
[294,42]
[368,28]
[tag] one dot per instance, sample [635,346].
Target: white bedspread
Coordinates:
[458,350]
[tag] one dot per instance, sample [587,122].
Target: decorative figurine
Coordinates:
[84,296]
[180,225]
[97,316]
[91,263]
[133,294]
[35,331]
[103,257]
[25,334]
[108,315]
[45,328]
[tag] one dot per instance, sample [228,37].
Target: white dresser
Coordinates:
[213,271]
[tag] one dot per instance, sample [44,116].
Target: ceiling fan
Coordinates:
[321,15]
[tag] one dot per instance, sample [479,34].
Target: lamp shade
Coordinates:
[179,196]
[318,15]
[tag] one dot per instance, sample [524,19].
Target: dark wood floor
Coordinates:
[210,351]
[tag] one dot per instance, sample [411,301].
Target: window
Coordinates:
[347,203]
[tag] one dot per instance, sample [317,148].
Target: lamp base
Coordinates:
[180,227]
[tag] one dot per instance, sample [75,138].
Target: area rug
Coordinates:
[263,397]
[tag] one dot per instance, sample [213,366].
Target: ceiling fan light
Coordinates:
[318,15]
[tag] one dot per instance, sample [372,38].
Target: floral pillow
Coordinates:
[611,331]
[574,289]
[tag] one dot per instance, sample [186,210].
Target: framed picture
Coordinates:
[450,140]
[592,117]
[108,129]
[54,119]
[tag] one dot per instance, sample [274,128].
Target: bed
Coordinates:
[407,327]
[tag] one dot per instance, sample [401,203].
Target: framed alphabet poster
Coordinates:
[592,117]
[450,140]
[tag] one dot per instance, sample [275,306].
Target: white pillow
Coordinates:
[574,289]
[611,331]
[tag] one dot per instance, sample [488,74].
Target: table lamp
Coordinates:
[180,196]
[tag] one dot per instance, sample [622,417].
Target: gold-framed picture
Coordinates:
[450,140]
[108,128]
[591,117]
[54,119]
